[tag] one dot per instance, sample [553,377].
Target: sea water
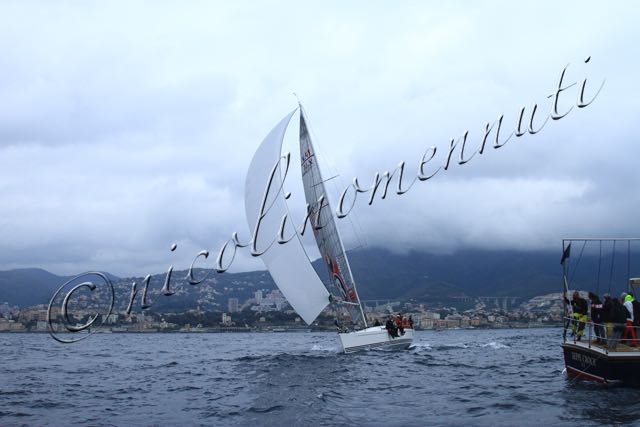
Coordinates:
[452,377]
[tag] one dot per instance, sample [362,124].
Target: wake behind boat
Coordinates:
[288,263]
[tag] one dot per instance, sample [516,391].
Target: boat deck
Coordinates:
[621,349]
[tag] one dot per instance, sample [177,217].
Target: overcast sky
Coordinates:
[128,126]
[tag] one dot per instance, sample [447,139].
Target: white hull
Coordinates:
[374,337]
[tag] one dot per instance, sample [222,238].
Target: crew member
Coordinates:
[391,328]
[580,309]
[596,317]
[618,318]
[399,323]
[628,330]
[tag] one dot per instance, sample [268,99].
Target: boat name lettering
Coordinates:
[583,359]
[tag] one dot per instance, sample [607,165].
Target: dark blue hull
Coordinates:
[596,364]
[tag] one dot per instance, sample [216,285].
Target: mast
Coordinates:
[566,253]
[342,286]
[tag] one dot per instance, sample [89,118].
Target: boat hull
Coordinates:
[595,363]
[374,337]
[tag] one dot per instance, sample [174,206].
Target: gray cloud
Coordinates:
[125,128]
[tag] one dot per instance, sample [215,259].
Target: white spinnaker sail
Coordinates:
[288,263]
[342,285]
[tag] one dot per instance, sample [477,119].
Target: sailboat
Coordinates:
[285,257]
[595,352]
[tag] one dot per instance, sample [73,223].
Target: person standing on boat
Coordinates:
[636,315]
[596,317]
[391,328]
[618,318]
[607,317]
[399,323]
[405,323]
[580,309]
[628,304]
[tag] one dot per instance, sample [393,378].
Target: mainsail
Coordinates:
[288,263]
[342,286]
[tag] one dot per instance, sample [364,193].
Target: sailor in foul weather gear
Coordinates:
[629,330]
[580,309]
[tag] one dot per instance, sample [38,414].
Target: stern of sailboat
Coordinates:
[375,337]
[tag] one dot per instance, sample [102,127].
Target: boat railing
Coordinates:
[606,336]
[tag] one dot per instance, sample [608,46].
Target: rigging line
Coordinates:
[318,183]
[356,226]
[362,236]
[628,260]
[634,259]
[577,263]
[359,237]
[352,217]
[613,257]
[335,238]
[353,220]
[599,267]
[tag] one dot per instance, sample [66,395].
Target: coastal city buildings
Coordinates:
[233,305]
[269,310]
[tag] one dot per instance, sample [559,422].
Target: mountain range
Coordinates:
[380,275]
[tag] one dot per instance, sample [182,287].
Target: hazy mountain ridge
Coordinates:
[380,274]
[28,286]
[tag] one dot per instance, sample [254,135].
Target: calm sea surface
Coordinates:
[457,377]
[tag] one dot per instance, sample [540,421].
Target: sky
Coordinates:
[126,127]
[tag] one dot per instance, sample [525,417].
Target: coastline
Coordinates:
[284,329]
